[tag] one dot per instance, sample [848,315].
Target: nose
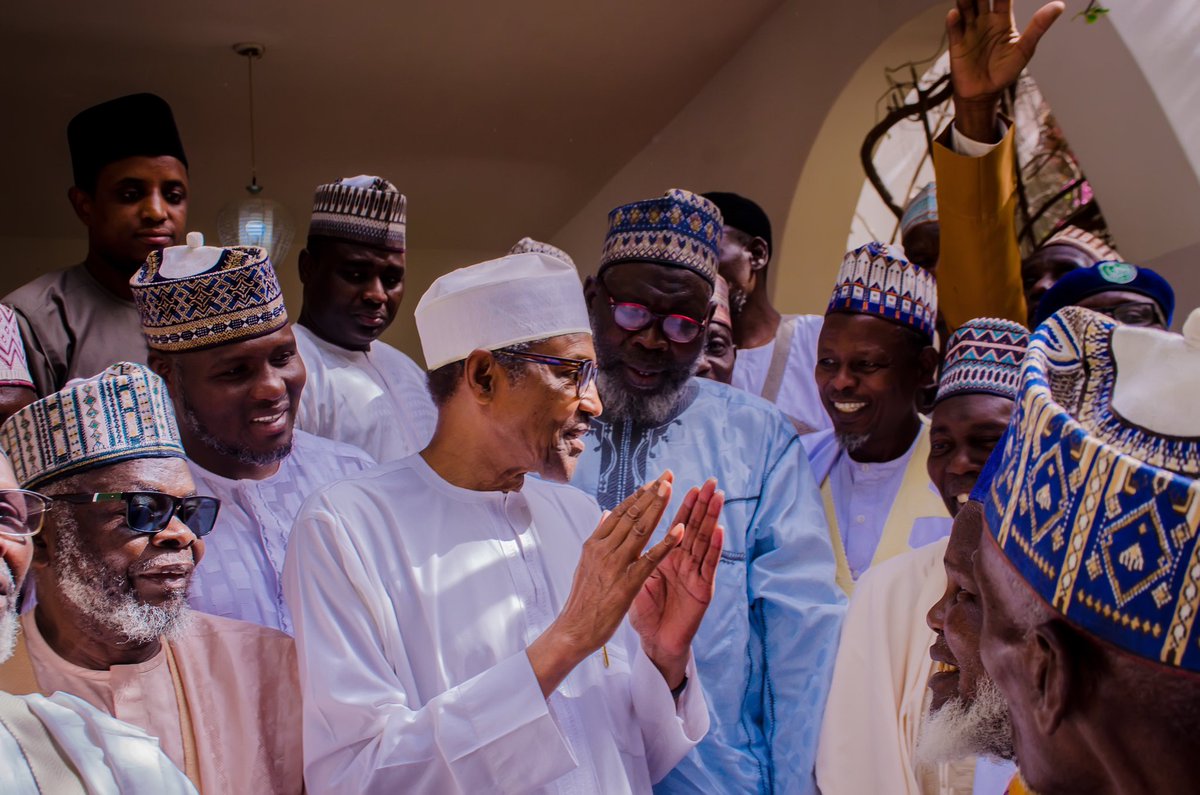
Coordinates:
[589,401]
[270,386]
[176,535]
[374,293]
[651,337]
[154,207]
[843,379]
[961,463]
[704,367]
[936,617]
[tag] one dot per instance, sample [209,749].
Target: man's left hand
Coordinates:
[667,611]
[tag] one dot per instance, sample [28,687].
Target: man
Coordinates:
[16,384]
[217,330]
[444,645]
[360,390]
[1088,560]
[878,698]
[719,351]
[131,192]
[527,245]
[876,356]
[61,744]
[112,566]
[1066,251]
[769,637]
[1123,291]
[920,234]
[776,353]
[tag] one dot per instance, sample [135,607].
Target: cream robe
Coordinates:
[240,682]
[376,399]
[414,601]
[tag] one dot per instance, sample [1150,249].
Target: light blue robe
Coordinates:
[766,647]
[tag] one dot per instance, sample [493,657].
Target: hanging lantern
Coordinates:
[255,221]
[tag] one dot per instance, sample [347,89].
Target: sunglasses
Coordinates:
[583,370]
[635,317]
[22,512]
[1135,313]
[150,512]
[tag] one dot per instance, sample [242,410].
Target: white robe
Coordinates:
[414,601]
[376,400]
[798,395]
[109,756]
[240,574]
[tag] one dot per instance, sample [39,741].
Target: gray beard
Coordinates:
[9,622]
[243,455]
[959,730]
[621,404]
[105,598]
[851,441]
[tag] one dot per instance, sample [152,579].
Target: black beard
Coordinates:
[244,455]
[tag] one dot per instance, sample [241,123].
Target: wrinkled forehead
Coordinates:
[168,475]
[663,288]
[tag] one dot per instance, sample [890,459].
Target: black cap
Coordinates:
[743,214]
[135,125]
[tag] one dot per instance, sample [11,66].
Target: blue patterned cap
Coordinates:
[874,281]
[1096,502]
[681,228]
[122,413]
[984,357]
[922,208]
[195,296]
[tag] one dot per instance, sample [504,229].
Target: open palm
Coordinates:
[987,53]
[667,611]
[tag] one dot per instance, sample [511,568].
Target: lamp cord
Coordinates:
[253,154]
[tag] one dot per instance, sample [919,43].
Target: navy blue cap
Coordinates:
[1104,277]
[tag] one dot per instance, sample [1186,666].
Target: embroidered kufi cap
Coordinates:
[1107,277]
[130,126]
[518,298]
[681,229]
[122,413]
[14,366]
[1096,502]
[984,356]
[364,209]
[196,296]
[528,245]
[1092,245]
[921,209]
[874,280]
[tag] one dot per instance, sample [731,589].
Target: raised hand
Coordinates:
[987,55]
[610,574]
[668,610]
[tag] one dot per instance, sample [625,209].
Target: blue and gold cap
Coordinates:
[196,296]
[873,280]
[681,229]
[1096,501]
[122,413]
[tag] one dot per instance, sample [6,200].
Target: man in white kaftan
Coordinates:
[431,595]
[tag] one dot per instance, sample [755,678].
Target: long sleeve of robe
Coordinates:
[414,602]
[766,646]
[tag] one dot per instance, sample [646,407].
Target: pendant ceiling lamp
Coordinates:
[255,221]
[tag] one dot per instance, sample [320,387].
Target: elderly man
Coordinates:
[770,634]
[444,644]
[113,564]
[878,698]
[360,390]
[61,744]
[131,192]
[720,353]
[217,329]
[876,357]
[1123,291]
[1088,563]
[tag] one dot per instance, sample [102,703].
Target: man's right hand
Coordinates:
[987,55]
[610,574]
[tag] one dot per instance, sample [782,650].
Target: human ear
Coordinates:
[760,253]
[590,289]
[927,363]
[480,372]
[81,203]
[1054,677]
[306,266]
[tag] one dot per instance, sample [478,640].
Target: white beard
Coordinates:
[9,622]
[959,730]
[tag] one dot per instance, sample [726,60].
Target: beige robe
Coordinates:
[877,699]
[241,686]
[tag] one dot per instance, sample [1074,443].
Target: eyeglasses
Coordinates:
[22,512]
[1134,313]
[150,512]
[583,370]
[635,317]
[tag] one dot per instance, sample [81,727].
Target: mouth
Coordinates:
[574,439]
[173,575]
[372,321]
[644,379]
[940,667]
[271,423]
[962,499]
[848,406]
[157,237]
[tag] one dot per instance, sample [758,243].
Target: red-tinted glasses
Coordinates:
[635,317]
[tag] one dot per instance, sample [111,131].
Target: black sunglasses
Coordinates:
[583,370]
[150,512]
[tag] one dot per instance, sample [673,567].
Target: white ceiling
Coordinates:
[496,119]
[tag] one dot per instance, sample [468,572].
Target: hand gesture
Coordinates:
[668,610]
[610,574]
[987,53]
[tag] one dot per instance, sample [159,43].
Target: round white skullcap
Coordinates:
[518,298]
